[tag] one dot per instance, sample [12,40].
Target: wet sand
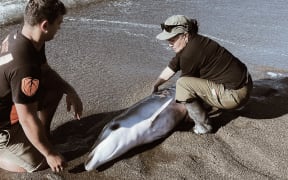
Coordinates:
[109,54]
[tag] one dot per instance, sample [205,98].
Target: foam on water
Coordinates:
[82,19]
[12,10]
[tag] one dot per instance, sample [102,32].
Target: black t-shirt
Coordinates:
[206,59]
[20,73]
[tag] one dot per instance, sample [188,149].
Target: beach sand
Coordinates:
[249,143]
[112,71]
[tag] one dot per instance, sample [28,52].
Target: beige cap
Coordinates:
[174,25]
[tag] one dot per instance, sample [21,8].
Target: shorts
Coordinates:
[188,88]
[15,147]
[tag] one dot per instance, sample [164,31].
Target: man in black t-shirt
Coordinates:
[209,72]
[30,91]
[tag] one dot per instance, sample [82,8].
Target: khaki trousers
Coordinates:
[188,88]
[15,146]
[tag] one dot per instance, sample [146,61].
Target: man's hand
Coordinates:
[72,99]
[56,162]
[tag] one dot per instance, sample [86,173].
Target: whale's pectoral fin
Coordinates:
[156,114]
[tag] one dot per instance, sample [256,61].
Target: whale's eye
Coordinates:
[114,127]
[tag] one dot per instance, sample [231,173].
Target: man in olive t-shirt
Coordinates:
[30,91]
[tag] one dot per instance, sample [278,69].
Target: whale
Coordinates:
[150,119]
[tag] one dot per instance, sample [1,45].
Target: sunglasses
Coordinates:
[169,28]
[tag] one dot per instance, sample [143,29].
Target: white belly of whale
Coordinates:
[128,134]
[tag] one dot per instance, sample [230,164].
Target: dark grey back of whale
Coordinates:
[146,121]
[139,111]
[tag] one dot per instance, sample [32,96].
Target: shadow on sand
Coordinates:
[75,138]
[269,99]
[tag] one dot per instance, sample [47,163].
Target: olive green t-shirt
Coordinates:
[204,58]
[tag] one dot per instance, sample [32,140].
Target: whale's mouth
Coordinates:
[114,127]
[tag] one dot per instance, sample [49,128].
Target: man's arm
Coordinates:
[35,133]
[165,75]
[51,79]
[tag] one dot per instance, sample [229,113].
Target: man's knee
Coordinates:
[184,92]
[182,81]
[6,165]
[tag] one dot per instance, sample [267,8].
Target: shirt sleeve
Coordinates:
[174,64]
[25,84]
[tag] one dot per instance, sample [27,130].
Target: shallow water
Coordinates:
[255,31]
[11,10]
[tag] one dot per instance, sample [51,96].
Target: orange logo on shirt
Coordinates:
[29,86]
